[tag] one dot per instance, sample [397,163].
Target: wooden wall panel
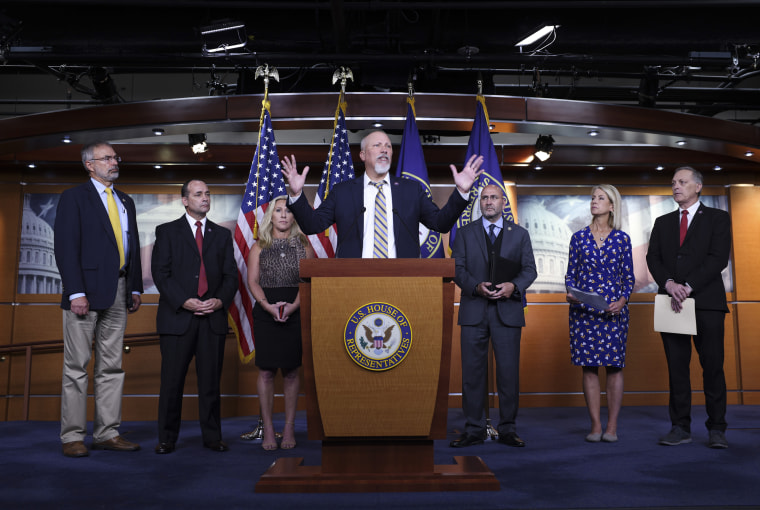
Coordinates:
[10,214]
[748,326]
[745,211]
[37,323]
[6,324]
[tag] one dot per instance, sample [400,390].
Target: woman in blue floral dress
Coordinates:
[601,261]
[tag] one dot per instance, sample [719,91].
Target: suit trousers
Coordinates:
[506,348]
[106,327]
[709,345]
[177,351]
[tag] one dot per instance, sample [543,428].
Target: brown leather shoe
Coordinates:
[75,449]
[118,444]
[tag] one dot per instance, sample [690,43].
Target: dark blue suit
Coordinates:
[85,248]
[343,206]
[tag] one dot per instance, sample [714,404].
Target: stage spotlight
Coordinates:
[543,31]
[222,37]
[198,142]
[544,147]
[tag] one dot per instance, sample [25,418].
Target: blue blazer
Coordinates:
[86,251]
[470,252]
[175,265]
[699,261]
[344,207]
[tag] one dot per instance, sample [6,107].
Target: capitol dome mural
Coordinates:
[37,270]
[550,237]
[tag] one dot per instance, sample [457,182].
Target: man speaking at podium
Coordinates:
[367,209]
[494,267]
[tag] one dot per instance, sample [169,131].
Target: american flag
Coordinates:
[264,185]
[339,167]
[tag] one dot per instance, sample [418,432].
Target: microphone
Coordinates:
[341,237]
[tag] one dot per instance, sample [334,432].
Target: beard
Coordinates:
[382,167]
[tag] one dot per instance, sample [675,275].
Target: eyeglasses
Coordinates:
[108,159]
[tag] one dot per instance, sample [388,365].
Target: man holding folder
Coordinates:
[494,267]
[688,249]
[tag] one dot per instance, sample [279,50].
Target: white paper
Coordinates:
[592,299]
[668,321]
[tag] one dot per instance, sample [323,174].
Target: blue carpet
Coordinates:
[557,469]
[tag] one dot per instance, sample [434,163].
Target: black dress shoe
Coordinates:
[217,446]
[465,440]
[511,439]
[162,448]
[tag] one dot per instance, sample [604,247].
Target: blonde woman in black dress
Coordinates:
[273,281]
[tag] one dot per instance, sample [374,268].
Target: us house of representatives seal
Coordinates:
[378,336]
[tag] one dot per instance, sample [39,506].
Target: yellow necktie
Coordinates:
[113,215]
[380,246]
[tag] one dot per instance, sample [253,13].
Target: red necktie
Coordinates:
[202,281]
[684,226]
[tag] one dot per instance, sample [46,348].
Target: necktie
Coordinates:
[492,233]
[113,215]
[684,226]
[380,247]
[202,281]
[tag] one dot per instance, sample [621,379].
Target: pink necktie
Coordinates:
[202,281]
[684,226]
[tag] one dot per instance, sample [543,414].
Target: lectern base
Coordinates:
[289,475]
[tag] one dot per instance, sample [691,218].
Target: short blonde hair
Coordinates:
[266,228]
[615,219]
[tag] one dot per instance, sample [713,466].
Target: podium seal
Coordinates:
[378,336]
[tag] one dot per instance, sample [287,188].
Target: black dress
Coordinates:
[278,344]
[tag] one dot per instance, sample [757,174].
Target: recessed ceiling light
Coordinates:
[158,131]
[659,168]
[31,165]
[221,167]
[593,132]
[717,168]
[492,126]
[681,142]
[66,139]
[600,168]
[157,167]
[377,125]
[749,154]
[538,167]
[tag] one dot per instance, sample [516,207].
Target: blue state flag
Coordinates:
[481,143]
[411,165]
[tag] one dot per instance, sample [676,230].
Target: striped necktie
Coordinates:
[380,247]
[113,215]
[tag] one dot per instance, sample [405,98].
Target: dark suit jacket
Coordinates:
[86,251]
[470,252]
[175,266]
[699,261]
[344,204]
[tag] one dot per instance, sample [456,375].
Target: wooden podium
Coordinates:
[377,415]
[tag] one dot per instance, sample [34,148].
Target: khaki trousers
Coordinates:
[106,328]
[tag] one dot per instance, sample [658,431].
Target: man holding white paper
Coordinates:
[688,249]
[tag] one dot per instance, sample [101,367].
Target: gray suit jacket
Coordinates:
[471,253]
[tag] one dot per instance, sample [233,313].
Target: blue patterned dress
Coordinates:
[598,339]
